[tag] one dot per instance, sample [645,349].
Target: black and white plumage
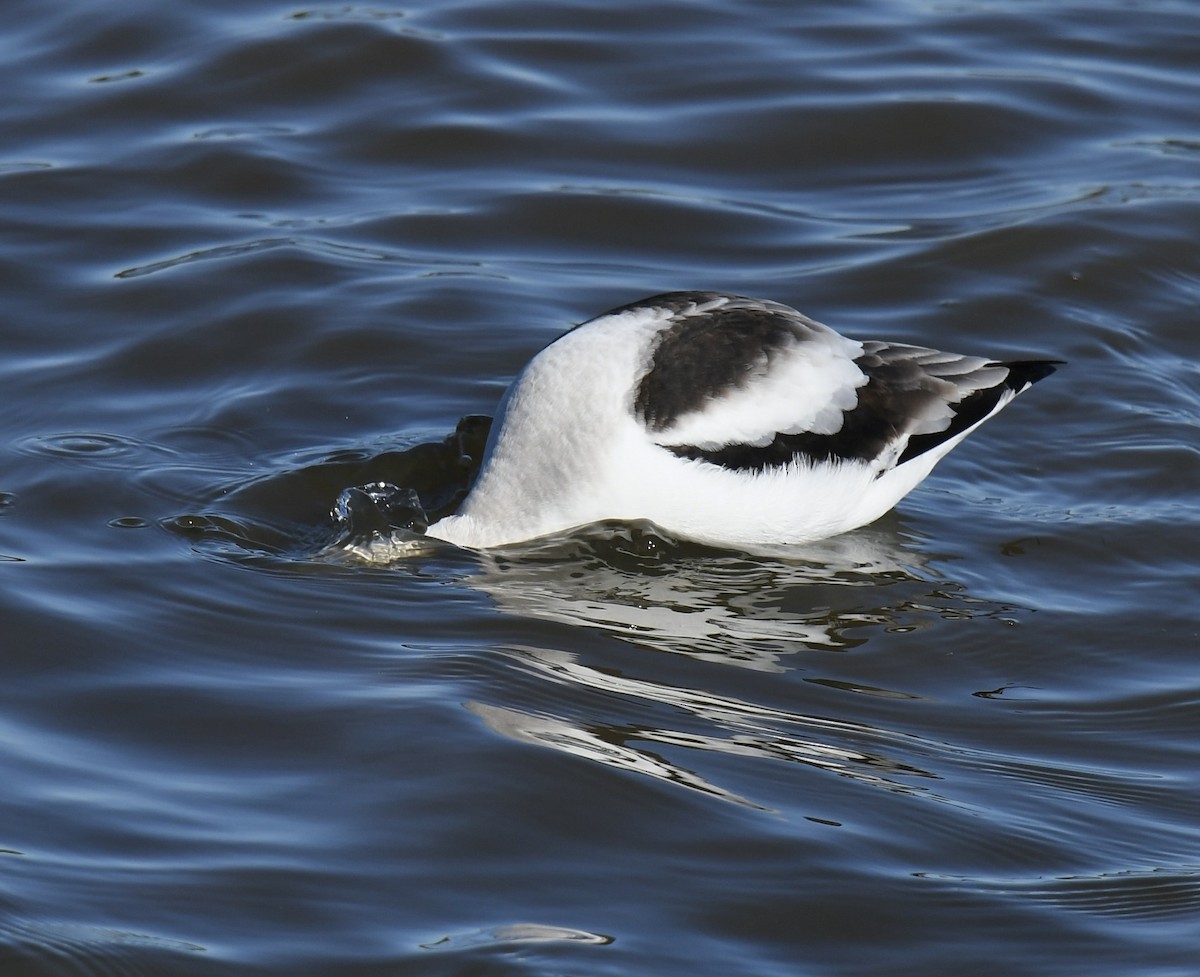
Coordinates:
[723,419]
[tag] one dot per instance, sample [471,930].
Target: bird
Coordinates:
[725,420]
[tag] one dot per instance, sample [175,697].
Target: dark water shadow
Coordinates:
[283,520]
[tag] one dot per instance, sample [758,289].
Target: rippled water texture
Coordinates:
[252,254]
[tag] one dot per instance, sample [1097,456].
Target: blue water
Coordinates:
[253,253]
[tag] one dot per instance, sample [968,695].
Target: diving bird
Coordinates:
[723,419]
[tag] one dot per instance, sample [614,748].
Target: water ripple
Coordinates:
[750,730]
[226,251]
[93,447]
[516,934]
[91,951]
[1151,894]
[255,254]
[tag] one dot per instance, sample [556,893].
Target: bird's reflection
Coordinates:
[733,608]
[728,726]
[753,612]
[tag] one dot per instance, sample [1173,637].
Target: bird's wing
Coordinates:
[728,370]
[933,397]
[749,384]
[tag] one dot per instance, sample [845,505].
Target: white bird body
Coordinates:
[721,419]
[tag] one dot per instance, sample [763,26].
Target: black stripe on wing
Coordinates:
[702,355]
[887,406]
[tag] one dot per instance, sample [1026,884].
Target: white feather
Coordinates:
[807,387]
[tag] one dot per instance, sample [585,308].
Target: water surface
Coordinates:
[254,253]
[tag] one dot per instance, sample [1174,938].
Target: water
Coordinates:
[255,253]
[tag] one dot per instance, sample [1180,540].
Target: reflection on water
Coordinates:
[717,608]
[517,934]
[737,729]
[708,604]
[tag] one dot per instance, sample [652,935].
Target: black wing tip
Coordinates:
[1024,373]
[982,404]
